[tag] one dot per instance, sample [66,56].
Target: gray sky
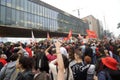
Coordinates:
[98,8]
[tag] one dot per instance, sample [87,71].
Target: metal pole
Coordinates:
[78,13]
[105,25]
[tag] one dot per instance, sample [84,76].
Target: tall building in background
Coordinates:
[94,25]
[37,15]
[100,29]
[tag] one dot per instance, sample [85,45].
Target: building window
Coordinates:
[21,19]
[17,17]
[25,5]
[22,5]
[25,19]
[8,16]
[40,10]
[13,3]
[13,19]
[2,17]
[28,6]
[8,3]
[3,2]
[18,4]
[37,9]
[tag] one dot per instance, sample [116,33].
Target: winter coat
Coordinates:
[26,75]
[7,70]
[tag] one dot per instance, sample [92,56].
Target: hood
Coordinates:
[11,64]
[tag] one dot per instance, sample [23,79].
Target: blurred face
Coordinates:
[106,51]
[76,56]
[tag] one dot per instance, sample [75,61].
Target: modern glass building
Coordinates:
[35,14]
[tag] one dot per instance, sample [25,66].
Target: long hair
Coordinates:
[66,64]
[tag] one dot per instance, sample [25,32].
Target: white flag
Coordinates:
[33,38]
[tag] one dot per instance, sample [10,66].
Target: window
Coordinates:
[29,20]
[37,9]
[43,11]
[8,16]
[25,19]
[3,2]
[40,22]
[2,17]
[25,5]
[28,6]
[13,3]
[21,18]
[33,8]
[37,22]
[8,3]
[13,19]
[18,4]
[22,4]
[17,18]
[40,10]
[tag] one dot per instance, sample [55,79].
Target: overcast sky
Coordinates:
[98,8]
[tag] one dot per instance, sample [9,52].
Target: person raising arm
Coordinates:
[60,62]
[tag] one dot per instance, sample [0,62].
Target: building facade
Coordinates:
[35,14]
[94,25]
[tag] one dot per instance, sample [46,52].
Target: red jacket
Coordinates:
[3,61]
[29,51]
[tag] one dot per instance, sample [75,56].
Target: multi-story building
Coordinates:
[37,15]
[100,29]
[94,25]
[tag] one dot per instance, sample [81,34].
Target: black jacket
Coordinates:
[26,75]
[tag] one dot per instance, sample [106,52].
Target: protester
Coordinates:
[25,65]
[3,61]
[64,72]
[64,60]
[109,70]
[91,68]
[9,68]
[78,67]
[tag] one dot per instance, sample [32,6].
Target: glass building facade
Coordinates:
[35,14]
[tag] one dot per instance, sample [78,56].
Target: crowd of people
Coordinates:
[57,59]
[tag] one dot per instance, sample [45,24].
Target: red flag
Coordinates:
[70,34]
[48,36]
[65,39]
[91,34]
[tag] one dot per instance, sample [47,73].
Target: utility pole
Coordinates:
[105,25]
